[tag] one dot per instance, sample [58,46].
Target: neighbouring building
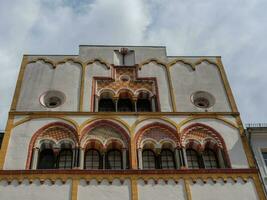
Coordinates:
[125,122]
[257,136]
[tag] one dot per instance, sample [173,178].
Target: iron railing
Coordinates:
[256,125]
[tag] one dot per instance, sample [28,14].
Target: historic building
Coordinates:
[121,123]
[257,136]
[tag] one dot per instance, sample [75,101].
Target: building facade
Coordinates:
[117,122]
[257,136]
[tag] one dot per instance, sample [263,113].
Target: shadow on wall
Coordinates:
[236,152]
[1,137]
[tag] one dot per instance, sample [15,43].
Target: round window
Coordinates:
[202,99]
[52,99]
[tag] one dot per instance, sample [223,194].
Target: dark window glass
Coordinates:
[65,159]
[143,105]
[210,159]
[125,105]
[167,159]
[46,159]
[92,159]
[192,159]
[106,105]
[149,159]
[264,154]
[114,159]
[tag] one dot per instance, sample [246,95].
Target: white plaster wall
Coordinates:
[161,190]
[20,138]
[159,72]
[207,78]
[231,138]
[39,77]
[34,191]
[222,191]
[104,190]
[92,70]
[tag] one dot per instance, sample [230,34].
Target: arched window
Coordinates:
[149,159]
[210,159]
[143,105]
[114,159]
[46,159]
[125,105]
[192,159]
[144,102]
[92,159]
[167,159]
[65,159]
[106,105]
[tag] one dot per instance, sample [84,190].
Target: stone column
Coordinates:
[96,103]
[135,104]
[81,158]
[74,154]
[104,160]
[116,104]
[124,158]
[140,159]
[35,157]
[177,158]
[184,157]
[153,104]
[220,159]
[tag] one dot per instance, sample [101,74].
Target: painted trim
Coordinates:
[5,142]
[51,113]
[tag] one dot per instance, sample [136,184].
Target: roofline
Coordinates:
[50,55]
[102,45]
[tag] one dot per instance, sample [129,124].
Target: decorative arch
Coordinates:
[57,131]
[158,132]
[93,144]
[123,91]
[200,136]
[106,123]
[101,61]
[155,60]
[45,60]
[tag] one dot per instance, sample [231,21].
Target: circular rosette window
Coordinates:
[52,98]
[203,99]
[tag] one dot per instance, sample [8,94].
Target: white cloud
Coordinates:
[234,29]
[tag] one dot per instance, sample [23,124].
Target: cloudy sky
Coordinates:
[234,29]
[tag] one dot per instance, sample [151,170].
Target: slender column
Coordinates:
[104,160]
[140,159]
[135,105]
[177,159]
[220,158]
[124,158]
[153,104]
[96,103]
[74,154]
[81,159]
[181,158]
[35,157]
[56,153]
[116,104]
[184,157]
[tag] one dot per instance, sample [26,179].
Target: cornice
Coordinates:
[53,113]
